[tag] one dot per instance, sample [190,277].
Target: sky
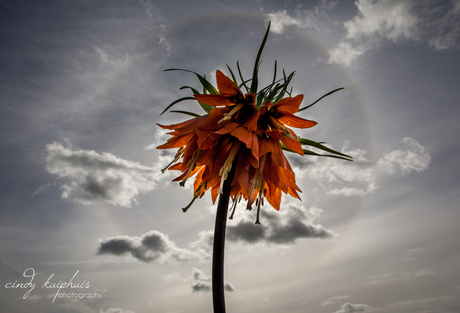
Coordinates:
[89,223]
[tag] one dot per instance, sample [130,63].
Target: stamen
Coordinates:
[228,116]
[225,169]
[191,165]
[176,157]
[257,218]
[235,202]
[189,205]
[284,131]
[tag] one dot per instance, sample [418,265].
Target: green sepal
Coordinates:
[325,155]
[287,80]
[329,93]
[187,113]
[308,152]
[233,76]
[177,101]
[255,80]
[317,145]
[206,84]
[241,76]
[205,107]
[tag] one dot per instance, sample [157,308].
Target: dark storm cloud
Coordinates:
[152,246]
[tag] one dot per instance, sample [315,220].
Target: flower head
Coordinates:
[242,134]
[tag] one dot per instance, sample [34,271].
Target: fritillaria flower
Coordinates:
[236,135]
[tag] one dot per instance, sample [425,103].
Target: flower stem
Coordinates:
[218,297]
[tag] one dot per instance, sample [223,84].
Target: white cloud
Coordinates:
[304,19]
[394,20]
[400,276]
[352,308]
[100,176]
[413,158]
[335,299]
[360,177]
[345,53]
[115,310]
[172,277]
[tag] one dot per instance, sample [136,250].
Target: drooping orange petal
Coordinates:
[274,197]
[242,172]
[264,147]
[226,85]
[175,126]
[294,194]
[214,117]
[214,100]
[293,144]
[227,128]
[206,139]
[277,152]
[289,105]
[270,171]
[192,124]
[198,178]
[177,141]
[253,112]
[184,174]
[243,135]
[214,193]
[295,121]
[176,167]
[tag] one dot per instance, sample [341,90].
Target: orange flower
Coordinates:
[236,136]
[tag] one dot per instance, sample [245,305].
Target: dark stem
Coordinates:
[218,297]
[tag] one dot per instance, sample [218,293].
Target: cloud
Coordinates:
[413,158]
[394,20]
[100,176]
[304,19]
[291,223]
[351,308]
[152,246]
[115,310]
[400,276]
[335,299]
[202,282]
[361,175]
[278,228]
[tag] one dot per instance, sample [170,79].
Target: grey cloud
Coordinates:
[152,246]
[352,308]
[292,223]
[246,231]
[100,176]
[202,282]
